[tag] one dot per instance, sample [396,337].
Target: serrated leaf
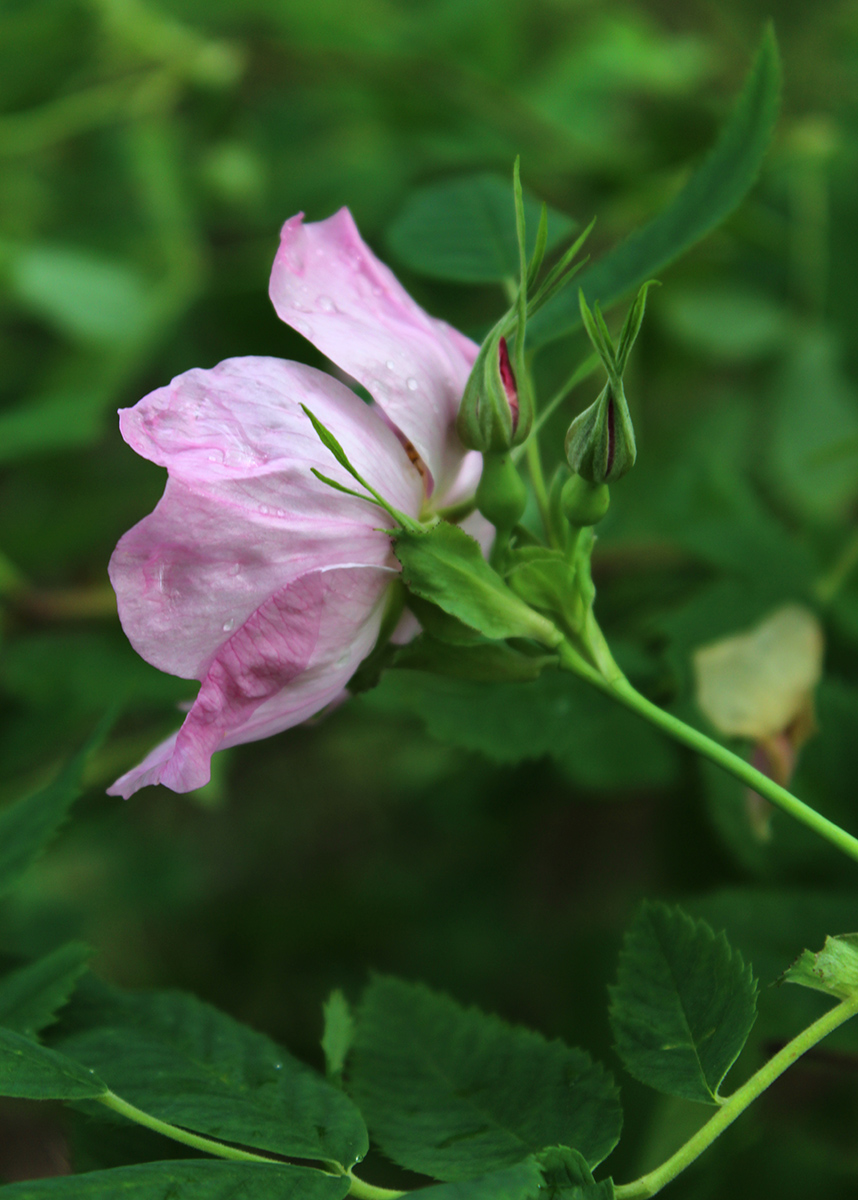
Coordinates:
[519,1182]
[566,1176]
[185,1180]
[29,824]
[33,1072]
[446,566]
[454,1093]
[464,230]
[338,1033]
[555,715]
[833,970]
[487,662]
[31,996]
[189,1064]
[683,1005]
[715,189]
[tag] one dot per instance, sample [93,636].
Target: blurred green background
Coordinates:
[148,156]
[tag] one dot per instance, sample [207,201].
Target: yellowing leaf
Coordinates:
[755,684]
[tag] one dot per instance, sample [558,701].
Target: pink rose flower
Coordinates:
[251,575]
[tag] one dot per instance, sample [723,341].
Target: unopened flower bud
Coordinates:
[495,413]
[584,503]
[600,442]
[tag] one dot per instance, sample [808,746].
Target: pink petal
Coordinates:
[242,516]
[288,661]
[329,286]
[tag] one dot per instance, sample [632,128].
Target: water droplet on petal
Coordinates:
[299,305]
[326,304]
[264,510]
[229,625]
[235,569]
[301,327]
[411,383]
[390,364]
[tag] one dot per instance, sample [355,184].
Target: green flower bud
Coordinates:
[584,503]
[501,494]
[600,442]
[495,413]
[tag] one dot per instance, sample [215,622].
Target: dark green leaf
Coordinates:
[192,1180]
[715,189]
[338,1033]
[683,1005]
[31,996]
[834,970]
[486,662]
[465,230]
[556,715]
[566,1176]
[519,1182]
[32,1072]
[191,1065]
[446,566]
[454,1092]
[28,825]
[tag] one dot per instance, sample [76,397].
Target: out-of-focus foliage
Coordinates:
[149,153]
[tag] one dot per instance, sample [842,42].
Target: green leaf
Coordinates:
[189,1064]
[31,996]
[555,715]
[454,1092]
[519,1182]
[446,566]
[33,1072]
[486,662]
[338,1033]
[464,230]
[82,294]
[191,1180]
[683,1005]
[566,1176]
[833,970]
[28,825]
[715,189]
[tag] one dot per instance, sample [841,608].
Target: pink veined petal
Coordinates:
[288,661]
[329,286]
[242,516]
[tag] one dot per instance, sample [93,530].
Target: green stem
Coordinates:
[620,689]
[368,1191]
[736,1104]
[540,491]
[111,1100]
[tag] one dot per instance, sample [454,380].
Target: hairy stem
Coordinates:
[620,689]
[736,1104]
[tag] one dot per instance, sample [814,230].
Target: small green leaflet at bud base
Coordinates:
[683,1005]
[834,970]
[566,1176]
[443,564]
[338,1033]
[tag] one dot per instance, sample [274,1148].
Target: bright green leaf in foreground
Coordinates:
[32,1072]
[454,1092]
[446,566]
[31,996]
[192,1180]
[189,1064]
[715,189]
[464,230]
[834,970]
[683,1005]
